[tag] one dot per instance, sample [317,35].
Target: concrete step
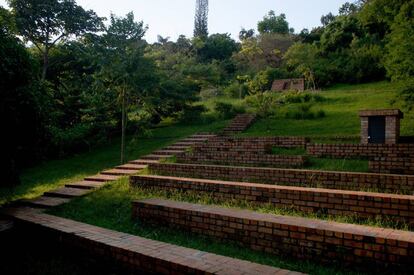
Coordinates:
[130,166]
[156,157]
[102,178]
[43,202]
[178,148]
[85,184]
[67,192]
[168,152]
[143,161]
[120,172]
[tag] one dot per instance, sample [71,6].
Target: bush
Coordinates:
[236,90]
[192,114]
[227,110]
[263,80]
[304,111]
[301,97]
[265,103]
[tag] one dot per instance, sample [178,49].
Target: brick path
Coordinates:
[239,124]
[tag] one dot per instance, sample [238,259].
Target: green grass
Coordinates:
[328,164]
[110,208]
[51,174]
[341,107]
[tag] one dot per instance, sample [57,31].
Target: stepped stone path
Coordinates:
[239,124]
[135,253]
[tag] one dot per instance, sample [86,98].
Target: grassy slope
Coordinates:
[341,108]
[55,173]
[110,207]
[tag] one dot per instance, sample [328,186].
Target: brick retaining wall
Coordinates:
[139,255]
[392,165]
[305,178]
[328,242]
[360,150]
[246,159]
[312,200]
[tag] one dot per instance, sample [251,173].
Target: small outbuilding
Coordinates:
[380,126]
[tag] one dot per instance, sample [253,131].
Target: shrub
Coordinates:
[301,97]
[227,110]
[304,111]
[265,103]
[236,90]
[192,114]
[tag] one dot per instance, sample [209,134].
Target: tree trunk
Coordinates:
[45,63]
[124,121]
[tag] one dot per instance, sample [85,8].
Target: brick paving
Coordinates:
[239,124]
[137,253]
[316,240]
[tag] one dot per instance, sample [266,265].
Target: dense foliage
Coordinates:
[81,80]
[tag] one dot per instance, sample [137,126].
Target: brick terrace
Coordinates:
[306,178]
[298,237]
[136,253]
[310,200]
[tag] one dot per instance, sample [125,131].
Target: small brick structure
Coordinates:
[403,184]
[399,208]
[297,84]
[321,241]
[380,126]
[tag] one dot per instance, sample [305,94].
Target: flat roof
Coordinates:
[381,112]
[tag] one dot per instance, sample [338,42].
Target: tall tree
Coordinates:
[46,22]
[201,19]
[124,69]
[273,23]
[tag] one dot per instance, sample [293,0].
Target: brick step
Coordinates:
[202,136]
[143,161]
[197,140]
[168,152]
[143,256]
[311,200]
[67,192]
[5,225]
[179,148]
[185,143]
[130,166]
[102,178]
[321,241]
[86,184]
[120,172]
[293,177]
[156,157]
[43,202]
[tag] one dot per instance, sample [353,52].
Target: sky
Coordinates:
[170,18]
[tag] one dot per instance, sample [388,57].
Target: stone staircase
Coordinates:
[239,124]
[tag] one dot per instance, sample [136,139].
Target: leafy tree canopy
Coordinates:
[273,23]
